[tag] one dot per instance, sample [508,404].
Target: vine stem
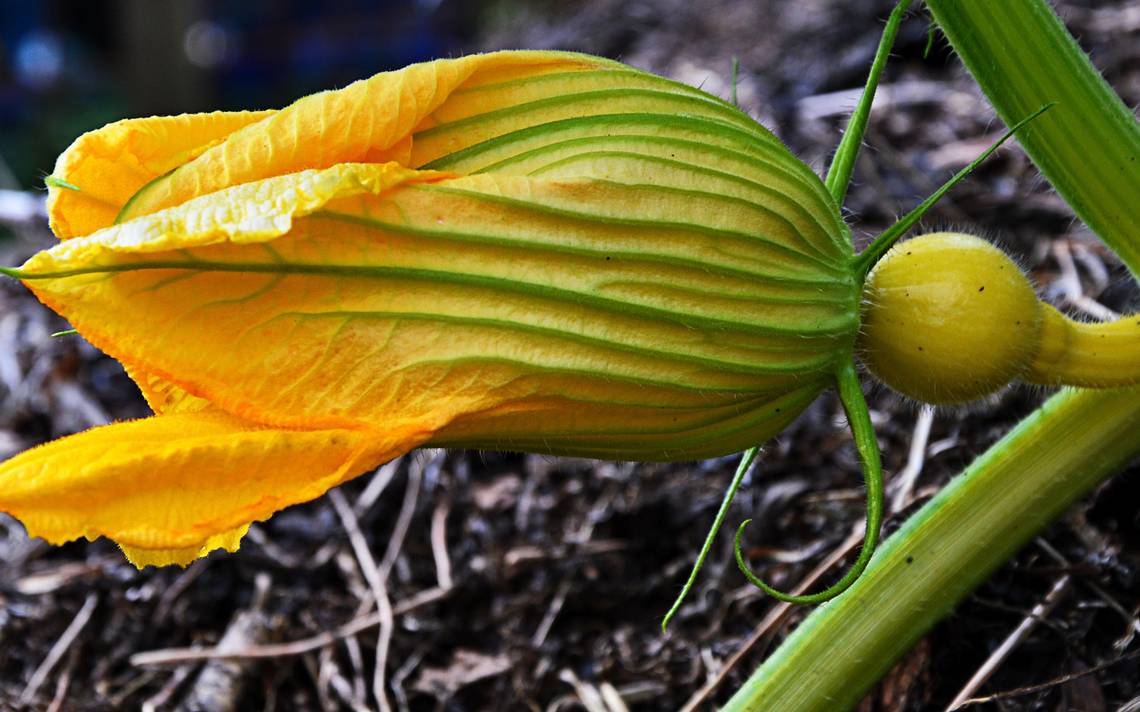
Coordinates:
[953,543]
[859,418]
[866,259]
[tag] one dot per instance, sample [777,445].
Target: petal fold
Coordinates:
[109,165]
[371,120]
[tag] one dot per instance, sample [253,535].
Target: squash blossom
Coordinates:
[535,251]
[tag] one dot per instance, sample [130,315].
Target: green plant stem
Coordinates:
[859,417]
[730,494]
[866,259]
[950,546]
[843,164]
[1089,148]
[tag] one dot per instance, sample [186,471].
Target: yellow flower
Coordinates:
[530,251]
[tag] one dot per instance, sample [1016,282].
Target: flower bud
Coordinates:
[534,251]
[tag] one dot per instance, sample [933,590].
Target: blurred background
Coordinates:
[525,582]
[67,67]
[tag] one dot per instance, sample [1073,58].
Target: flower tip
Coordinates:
[53,182]
[141,557]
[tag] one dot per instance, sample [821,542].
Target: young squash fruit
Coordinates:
[949,318]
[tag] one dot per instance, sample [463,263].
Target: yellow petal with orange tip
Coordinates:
[168,489]
[102,169]
[560,314]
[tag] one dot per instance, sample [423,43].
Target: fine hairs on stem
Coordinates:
[866,259]
[742,469]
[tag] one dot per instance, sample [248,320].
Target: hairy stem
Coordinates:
[843,164]
[866,259]
[1089,145]
[851,395]
[950,546]
[730,494]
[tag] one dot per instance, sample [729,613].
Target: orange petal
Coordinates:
[168,489]
[368,121]
[102,169]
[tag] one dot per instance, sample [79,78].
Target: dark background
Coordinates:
[67,67]
[562,568]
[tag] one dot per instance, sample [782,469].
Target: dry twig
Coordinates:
[180,656]
[159,700]
[903,482]
[776,616]
[219,685]
[375,580]
[1070,285]
[64,682]
[57,651]
[1128,707]
[1060,587]
[407,510]
[439,544]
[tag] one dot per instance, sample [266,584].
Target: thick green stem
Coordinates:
[1088,146]
[950,546]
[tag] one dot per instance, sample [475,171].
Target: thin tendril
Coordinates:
[741,470]
[735,78]
[875,251]
[859,418]
[843,164]
[931,29]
